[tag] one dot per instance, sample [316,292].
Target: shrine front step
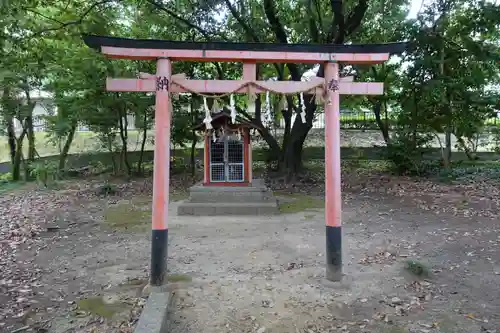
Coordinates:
[228,208]
[255,193]
[234,196]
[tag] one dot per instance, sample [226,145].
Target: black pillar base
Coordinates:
[334,253]
[159,245]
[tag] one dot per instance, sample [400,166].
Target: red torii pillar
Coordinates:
[165,83]
[161,174]
[333,185]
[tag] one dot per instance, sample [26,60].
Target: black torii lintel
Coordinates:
[96,42]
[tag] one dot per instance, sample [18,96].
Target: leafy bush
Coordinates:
[46,172]
[178,164]
[406,152]
[470,173]
[97,167]
[496,139]
[5,177]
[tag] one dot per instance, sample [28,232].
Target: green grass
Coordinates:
[6,186]
[391,329]
[134,214]
[301,202]
[97,306]
[128,215]
[178,196]
[83,142]
[179,278]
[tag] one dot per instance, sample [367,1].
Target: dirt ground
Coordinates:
[75,261]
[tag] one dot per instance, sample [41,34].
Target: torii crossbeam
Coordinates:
[164,83]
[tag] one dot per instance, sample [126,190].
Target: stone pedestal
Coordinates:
[229,200]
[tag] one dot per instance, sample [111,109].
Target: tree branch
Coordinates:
[337,34]
[317,4]
[355,17]
[44,16]
[202,31]
[273,20]
[250,32]
[313,29]
[279,32]
[66,24]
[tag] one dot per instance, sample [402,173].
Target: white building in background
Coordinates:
[43,106]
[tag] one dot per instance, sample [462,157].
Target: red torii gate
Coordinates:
[164,83]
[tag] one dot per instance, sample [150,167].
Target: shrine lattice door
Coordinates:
[227,160]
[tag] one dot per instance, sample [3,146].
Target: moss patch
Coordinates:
[7,186]
[135,213]
[384,328]
[178,196]
[179,278]
[128,215]
[97,306]
[417,268]
[301,203]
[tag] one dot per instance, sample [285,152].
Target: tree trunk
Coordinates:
[141,154]
[292,159]
[11,134]
[387,122]
[18,157]
[109,138]
[287,117]
[447,148]
[192,160]
[471,155]
[447,112]
[293,150]
[28,124]
[124,137]
[143,143]
[67,145]
[384,128]
[31,138]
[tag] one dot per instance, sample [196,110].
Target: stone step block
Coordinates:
[225,208]
[231,196]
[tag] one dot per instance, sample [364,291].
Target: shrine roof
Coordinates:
[97,42]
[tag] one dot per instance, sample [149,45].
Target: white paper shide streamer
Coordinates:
[251,102]
[208,119]
[303,106]
[268,114]
[233,109]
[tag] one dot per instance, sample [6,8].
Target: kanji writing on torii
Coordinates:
[164,82]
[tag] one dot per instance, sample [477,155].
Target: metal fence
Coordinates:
[366,121]
[348,120]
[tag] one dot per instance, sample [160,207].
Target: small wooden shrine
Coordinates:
[227,150]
